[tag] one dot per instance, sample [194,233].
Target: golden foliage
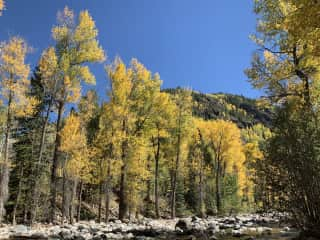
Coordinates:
[76,45]
[14,78]
[74,145]
[2,6]
[225,140]
[288,32]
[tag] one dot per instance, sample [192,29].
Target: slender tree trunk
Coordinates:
[201,190]
[73,194]
[38,170]
[65,196]
[156,177]
[175,176]
[108,187]
[4,174]
[79,201]
[123,204]
[173,196]
[218,185]
[18,197]
[53,186]
[100,201]
[25,213]
[148,198]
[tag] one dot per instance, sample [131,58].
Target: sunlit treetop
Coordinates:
[48,66]
[287,64]
[14,74]
[2,5]
[76,45]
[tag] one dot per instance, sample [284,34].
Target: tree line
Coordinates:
[69,156]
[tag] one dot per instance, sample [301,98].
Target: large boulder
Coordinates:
[183,225]
[19,229]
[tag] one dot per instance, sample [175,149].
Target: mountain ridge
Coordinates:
[243,111]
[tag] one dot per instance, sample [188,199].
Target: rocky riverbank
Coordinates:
[193,227]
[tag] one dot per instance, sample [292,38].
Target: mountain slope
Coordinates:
[239,109]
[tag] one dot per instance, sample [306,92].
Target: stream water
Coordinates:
[277,234]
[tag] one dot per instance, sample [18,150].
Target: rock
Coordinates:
[114,236]
[236,233]
[94,229]
[286,229]
[183,224]
[237,227]
[264,230]
[249,224]
[82,226]
[129,236]
[259,230]
[230,220]
[213,237]
[195,219]
[226,226]
[191,238]
[20,229]
[126,221]
[178,230]
[86,236]
[284,233]
[39,235]
[212,225]
[268,230]
[250,238]
[4,236]
[66,235]
[145,232]
[79,236]
[97,237]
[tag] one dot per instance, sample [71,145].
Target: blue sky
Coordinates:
[201,44]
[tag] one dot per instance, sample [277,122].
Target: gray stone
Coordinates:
[66,235]
[20,229]
[236,233]
[184,225]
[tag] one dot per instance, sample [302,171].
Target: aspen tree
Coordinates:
[162,121]
[225,141]
[76,45]
[132,102]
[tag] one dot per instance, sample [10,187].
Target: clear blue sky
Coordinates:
[201,44]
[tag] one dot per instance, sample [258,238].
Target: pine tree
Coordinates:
[182,117]
[14,88]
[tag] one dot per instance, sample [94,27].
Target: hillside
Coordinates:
[239,109]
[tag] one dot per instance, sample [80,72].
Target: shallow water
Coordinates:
[276,235]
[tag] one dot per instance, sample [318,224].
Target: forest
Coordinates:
[142,150]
